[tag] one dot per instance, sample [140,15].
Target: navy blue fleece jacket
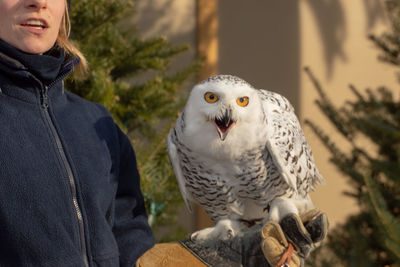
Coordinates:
[69,185]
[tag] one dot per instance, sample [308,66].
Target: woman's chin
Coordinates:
[34,49]
[33,46]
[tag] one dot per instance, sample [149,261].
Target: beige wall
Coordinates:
[269,42]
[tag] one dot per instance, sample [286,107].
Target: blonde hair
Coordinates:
[67,45]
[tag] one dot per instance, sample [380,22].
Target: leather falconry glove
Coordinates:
[271,245]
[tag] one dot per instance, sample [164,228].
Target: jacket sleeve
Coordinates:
[131,229]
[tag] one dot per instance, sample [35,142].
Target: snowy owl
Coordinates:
[241,154]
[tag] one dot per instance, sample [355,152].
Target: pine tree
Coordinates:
[131,76]
[372,237]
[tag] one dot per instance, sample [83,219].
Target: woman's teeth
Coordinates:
[37,24]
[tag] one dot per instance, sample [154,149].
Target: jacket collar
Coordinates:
[22,75]
[45,67]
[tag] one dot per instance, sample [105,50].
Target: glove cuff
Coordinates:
[169,255]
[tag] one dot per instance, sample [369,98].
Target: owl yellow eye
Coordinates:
[210,97]
[242,101]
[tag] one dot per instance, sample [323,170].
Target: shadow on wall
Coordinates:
[375,12]
[331,21]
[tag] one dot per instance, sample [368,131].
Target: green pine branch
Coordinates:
[387,221]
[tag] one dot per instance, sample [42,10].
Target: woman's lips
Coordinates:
[36,26]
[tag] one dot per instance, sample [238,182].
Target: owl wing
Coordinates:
[174,158]
[287,144]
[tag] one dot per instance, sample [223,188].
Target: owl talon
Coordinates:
[229,234]
[223,230]
[194,236]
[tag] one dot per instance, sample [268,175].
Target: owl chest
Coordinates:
[202,176]
[248,173]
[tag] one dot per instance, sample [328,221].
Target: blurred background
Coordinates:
[336,62]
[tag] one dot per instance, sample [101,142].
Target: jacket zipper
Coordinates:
[67,166]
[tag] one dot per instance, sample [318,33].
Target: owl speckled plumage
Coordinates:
[241,154]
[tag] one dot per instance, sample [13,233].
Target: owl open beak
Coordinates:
[224,124]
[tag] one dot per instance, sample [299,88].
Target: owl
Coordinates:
[241,154]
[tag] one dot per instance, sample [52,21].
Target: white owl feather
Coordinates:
[240,153]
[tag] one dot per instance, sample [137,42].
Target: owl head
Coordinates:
[221,107]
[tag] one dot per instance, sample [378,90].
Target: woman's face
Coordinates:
[31,25]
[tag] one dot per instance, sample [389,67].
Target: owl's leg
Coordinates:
[280,207]
[225,229]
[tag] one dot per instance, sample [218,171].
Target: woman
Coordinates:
[69,186]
